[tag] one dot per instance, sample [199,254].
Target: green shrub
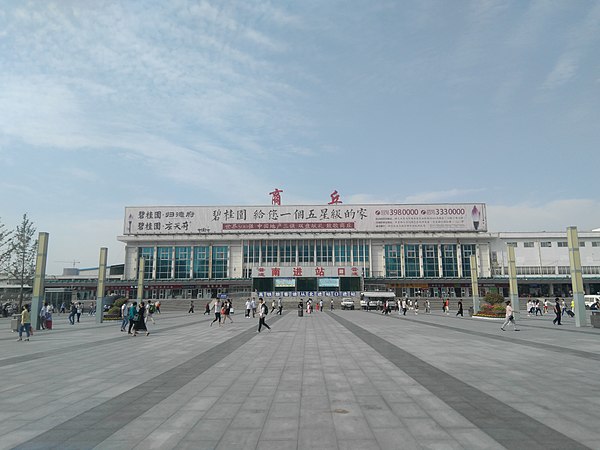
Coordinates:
[493,298]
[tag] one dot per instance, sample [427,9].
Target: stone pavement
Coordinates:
[331,380]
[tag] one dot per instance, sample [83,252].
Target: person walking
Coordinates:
[63,308]
[131,315]
[404,306]
[460,308]
[225,310]
[150,310]
[546,304]
[558,312]
[262,314]
[253,307]
[139,320]
[207,309]
[563,307]
[273,303]
[321,305]
[72,313]
[25,323]
[510,318]
[191,310]
[218,306]
[447,306]
[157,305]
[124,316]
[279,306]
[538,308]
[79,310]
[49,312]
[427,306]
[42,316]
[416,305]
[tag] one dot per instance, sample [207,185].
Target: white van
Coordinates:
[590,300]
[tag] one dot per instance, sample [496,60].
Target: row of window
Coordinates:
[531,244]
[293,252]
[547,270]
[163,263]
[408,259]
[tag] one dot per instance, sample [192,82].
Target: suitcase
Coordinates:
[571,313]
[48,324]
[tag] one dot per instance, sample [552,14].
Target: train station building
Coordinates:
[337,250]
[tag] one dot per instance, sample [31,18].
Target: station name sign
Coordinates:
[170,220]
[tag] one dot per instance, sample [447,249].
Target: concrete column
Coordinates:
[512,281]
[140,287]
[37,298]
[101,282]
[459,260]
[474,284]
[576,277]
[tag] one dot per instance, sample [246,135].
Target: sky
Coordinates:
[108,104]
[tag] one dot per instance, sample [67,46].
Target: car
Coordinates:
[347,303]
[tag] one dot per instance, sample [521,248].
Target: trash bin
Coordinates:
[300,312]
[15,322]
[595,319]
[471,311]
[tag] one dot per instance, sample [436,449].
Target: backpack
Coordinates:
[152,309]
[265,309]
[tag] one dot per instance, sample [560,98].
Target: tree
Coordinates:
[4,246]
[23,250]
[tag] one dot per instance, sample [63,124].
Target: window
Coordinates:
[220,261]
[411,261]
[182,262]
[164,260]
[511,244]
[582,243]
[251,253]
[430,261]
[528,244]
[361,252]
[467,250]
[306,252]
[342,252]
[546,244]
[201,258]
[595,243]
[269,253]
[324,252]
[287,252]
[148,254]
[449,260]
[393,261]
[562,244]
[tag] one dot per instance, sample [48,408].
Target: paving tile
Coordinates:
[323,383]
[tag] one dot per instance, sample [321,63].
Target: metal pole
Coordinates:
[576,277]
[37,298]
[474,284]
[101,282]
[512,278]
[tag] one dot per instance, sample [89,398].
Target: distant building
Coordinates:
[334,250]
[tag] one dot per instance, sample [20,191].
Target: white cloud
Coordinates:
[552,216]
[564,70]
[441,196]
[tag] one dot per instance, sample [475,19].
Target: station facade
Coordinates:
[341,250]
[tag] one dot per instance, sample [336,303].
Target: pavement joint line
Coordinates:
[472,403]
[536,345]
[62,436]
[32,356]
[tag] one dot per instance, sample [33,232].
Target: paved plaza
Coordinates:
[331,380]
